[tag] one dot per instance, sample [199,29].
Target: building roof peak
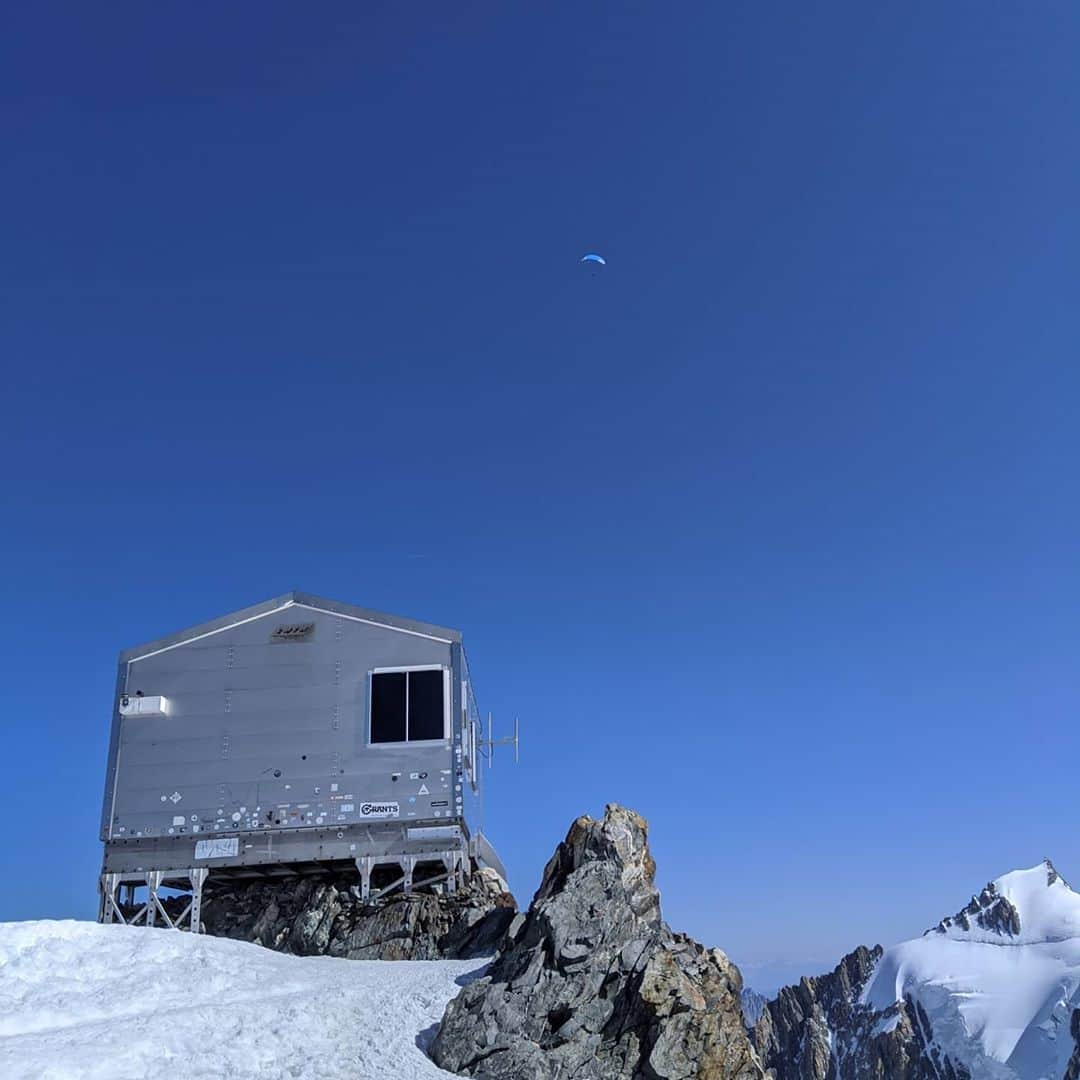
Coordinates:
[294,598]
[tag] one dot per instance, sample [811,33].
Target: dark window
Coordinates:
[407,706]
[425,705]
[388,707]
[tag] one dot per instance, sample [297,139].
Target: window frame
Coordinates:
[405,669]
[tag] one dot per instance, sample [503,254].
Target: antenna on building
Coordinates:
[508,740]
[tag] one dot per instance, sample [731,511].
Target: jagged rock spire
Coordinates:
[592,983]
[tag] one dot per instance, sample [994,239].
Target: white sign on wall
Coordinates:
[219,848]
[379,810]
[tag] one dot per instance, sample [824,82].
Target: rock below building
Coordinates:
[325,916]
[592,985]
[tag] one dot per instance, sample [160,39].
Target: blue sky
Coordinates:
[770,530]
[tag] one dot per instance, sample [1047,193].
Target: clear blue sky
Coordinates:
[770,530]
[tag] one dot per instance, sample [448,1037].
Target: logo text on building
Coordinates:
[300,631]
[379,810]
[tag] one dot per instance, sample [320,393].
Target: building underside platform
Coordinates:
[390,860]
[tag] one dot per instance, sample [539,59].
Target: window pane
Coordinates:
[388,707]
[425,705]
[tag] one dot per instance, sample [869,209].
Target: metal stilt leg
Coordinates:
[364,865]
[198,879]
[109,911]
[153,904]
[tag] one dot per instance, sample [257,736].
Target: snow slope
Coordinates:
[82,1000]
[999,980]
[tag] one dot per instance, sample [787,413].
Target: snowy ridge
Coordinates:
[999,980]
[125,1003]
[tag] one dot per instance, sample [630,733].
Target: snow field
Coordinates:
[129,1003]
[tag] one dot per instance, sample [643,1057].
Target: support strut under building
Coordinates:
[120,902]
[113,907]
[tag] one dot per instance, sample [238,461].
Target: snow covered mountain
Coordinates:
[989,993]
[999,980]
[124,1003]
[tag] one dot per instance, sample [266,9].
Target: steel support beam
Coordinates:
[198,879]
[365,865]
[110,910]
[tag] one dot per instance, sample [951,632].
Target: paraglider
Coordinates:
[598,259]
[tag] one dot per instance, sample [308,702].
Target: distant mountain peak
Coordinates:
[753,1005]
[991,993]
[1023,906]
[1052,875]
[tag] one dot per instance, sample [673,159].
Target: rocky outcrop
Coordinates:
[591,983]
[818,1030]
[989,911]
[794,1033]
[325,916]
[1073,1070]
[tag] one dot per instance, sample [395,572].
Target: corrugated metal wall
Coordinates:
[266,728]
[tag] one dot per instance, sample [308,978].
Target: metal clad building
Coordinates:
[297,735]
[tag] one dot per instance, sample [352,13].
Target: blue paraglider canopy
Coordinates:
[594,259]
